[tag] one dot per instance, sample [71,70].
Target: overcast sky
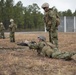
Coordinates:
[61,5]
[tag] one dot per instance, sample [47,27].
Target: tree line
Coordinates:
[26,18]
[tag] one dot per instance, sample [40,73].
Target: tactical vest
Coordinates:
[48,16]
[13,27]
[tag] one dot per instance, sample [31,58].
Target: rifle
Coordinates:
[26,43]
[11,48]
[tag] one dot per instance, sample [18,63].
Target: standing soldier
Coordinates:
[12,28]
[50,19]
[2,28]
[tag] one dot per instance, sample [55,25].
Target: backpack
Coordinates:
[57,17]
[57,20]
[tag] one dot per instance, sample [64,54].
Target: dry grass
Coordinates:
[27,62]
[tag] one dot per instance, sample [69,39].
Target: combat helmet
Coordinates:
[11,20]
[45,5]
[42,38]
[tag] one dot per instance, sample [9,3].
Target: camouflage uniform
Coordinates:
[51,27]
[47,49]
[33,45]
[12,28]
[41,44]
[2,28]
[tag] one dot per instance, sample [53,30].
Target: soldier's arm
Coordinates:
[33,46]
[50,44]
[10,26]
[53,19]
[51,14]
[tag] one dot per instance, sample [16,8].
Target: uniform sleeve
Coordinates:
[37,46]
[33,46]
[52,15]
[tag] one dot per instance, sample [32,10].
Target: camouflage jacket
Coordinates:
[40,46]
[12,27]
[50,19]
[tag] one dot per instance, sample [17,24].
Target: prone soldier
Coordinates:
[47,49]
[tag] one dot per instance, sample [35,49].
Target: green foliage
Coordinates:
[67,13]
[74,13]
[27,18]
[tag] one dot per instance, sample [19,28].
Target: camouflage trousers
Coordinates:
[62,55]
[53,37]
[12,36]
[49,52]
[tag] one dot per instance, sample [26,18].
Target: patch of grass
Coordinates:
[27,62]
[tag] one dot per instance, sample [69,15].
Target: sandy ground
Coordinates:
[27,62]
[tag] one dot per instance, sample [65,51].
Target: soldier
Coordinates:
[40,44]
[47,49]
[49,52]
[12,28]
[2,28]
[34,45]
[51,21]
